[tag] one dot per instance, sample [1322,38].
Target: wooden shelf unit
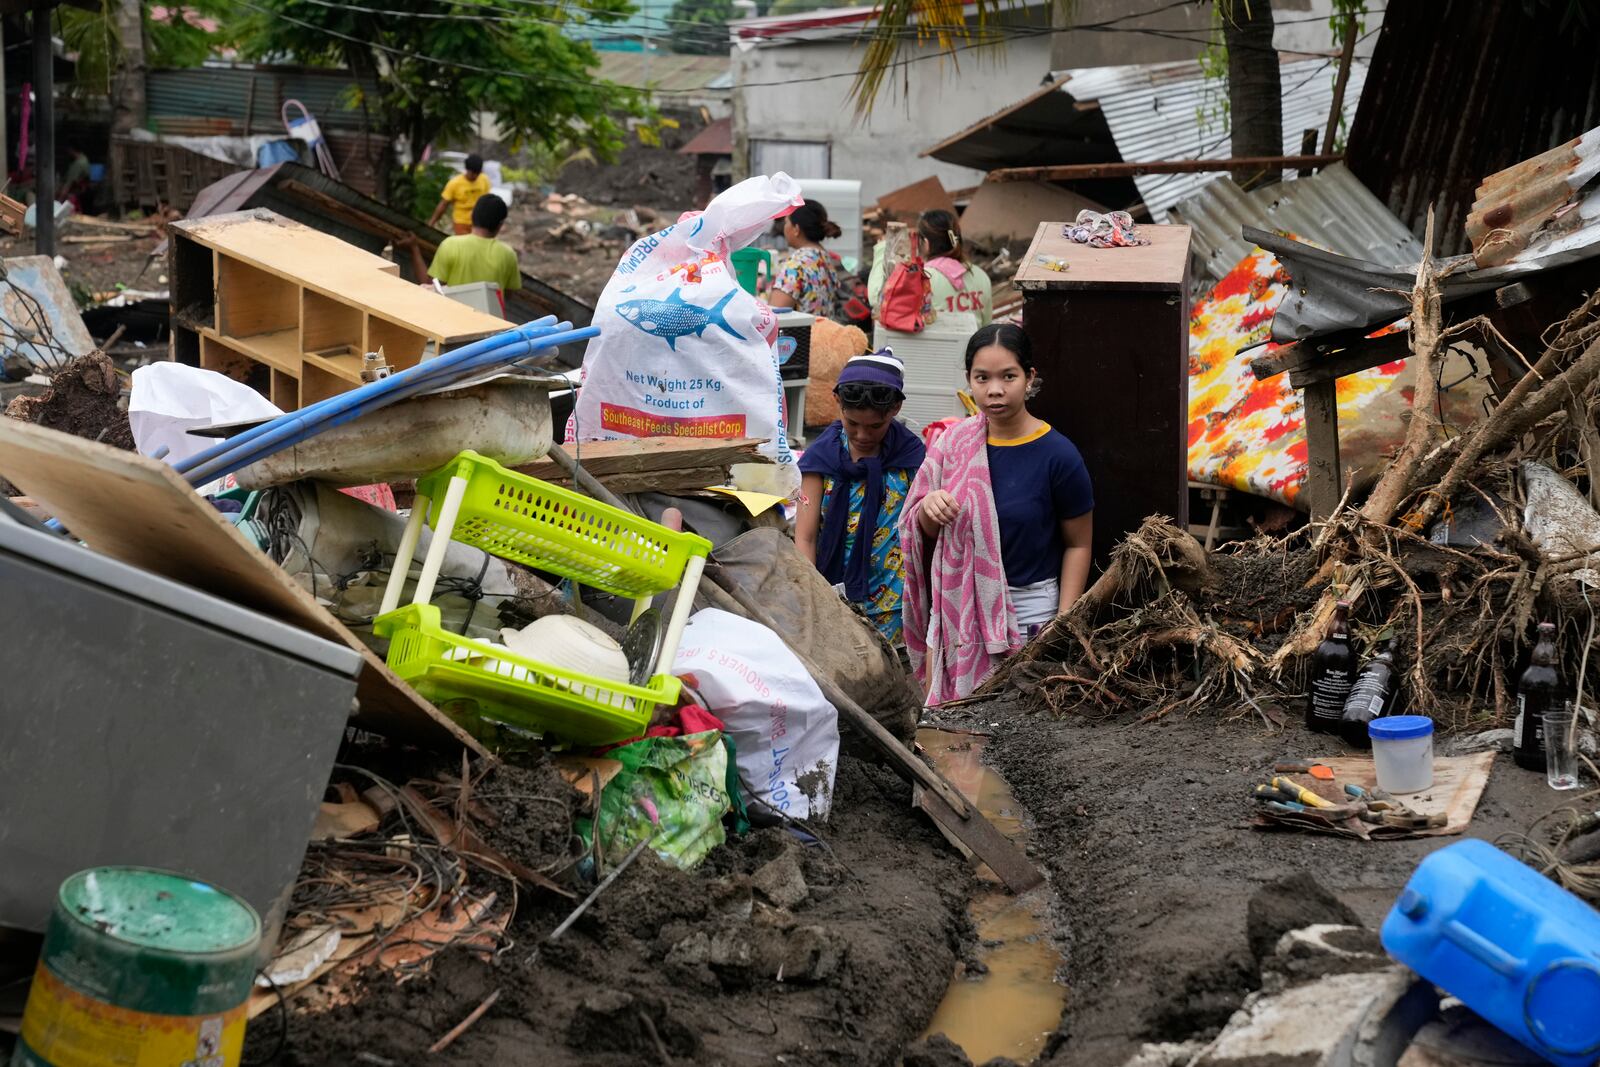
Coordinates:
[291,311]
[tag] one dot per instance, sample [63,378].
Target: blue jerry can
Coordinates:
[1515,947]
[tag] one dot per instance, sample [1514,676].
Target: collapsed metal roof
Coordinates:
[1174,111]
[1532,201]
[1141,113]
[1330,209]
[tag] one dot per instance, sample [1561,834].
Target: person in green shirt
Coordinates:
[473,257]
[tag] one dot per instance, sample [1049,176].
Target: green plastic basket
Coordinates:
[476,683]
[519,518]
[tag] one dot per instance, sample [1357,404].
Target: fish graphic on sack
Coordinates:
[675,317]
[717,373]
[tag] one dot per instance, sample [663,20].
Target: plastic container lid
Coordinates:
[152,909]
[1399,727]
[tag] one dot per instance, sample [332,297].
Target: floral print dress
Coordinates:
[887,566]
[810,277]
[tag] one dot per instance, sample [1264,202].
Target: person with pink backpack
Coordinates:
[954,284]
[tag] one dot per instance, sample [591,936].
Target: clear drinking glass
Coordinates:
[1561,746]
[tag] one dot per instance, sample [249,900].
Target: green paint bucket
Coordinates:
[141,968]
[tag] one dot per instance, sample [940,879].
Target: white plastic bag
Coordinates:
[785,731]
[168,399]
[683,351]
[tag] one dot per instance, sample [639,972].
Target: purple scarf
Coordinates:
[830,457]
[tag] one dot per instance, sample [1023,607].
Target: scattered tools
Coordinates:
[1301,793]
[1384,810]
[1320,771]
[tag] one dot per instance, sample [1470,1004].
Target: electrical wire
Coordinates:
[919,33]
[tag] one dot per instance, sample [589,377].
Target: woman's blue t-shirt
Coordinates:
[1039,481]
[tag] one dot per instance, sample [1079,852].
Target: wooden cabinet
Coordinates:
[1111,340]
[292,311]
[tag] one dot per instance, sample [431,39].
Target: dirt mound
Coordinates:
[643,174]
[84,399]
[695,966]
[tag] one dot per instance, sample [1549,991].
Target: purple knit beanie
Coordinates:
[882,367]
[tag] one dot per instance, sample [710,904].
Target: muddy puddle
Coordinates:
[1011,1008]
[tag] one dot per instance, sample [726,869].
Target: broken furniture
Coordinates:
[478,502]
[155,724]
[142,512]
[1111,341]
[294,311]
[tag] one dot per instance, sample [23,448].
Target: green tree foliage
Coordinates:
[436,74]
[185,36]
[699,27]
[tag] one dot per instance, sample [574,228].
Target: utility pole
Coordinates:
[44,122]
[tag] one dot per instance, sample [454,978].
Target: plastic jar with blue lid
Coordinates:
[1402,750]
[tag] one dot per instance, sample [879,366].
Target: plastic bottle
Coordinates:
[1333,672]
[1538,688]
[1372,696]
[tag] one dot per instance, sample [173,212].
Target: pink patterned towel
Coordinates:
[957,619]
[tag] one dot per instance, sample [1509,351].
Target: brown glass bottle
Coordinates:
[1333,673]
[1371,696]
[1538,688]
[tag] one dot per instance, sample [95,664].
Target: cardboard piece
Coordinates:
[579,771]
[142,512]
[907,202]
[1458,785]
[1009,213]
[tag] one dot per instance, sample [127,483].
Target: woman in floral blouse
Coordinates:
[807,279]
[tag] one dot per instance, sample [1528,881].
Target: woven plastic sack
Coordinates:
[684,351]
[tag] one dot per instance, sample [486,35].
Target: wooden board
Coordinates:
[908,202]
[641,454]
[142,512]
[1162,264]
[336,269]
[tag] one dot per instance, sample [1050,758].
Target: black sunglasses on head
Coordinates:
[864,395]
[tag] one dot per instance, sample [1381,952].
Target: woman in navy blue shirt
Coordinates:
[1042,498]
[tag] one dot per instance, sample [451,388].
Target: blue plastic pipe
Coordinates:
[290,430]
[426,370]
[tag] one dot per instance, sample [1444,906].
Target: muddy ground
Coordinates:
[1143,832]
[866,954]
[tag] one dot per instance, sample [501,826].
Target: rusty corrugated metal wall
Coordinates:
[1460,89]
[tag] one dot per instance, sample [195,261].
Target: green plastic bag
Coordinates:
[673,787]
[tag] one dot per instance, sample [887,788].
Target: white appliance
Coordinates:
[843,201]
[935,362]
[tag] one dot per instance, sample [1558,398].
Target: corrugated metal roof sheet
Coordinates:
[224,92]
[1463,88]
[1160,111]
[1536,198]
[1330,209]
[715,140]
[663,70]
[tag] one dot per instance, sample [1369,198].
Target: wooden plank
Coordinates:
[908,202]
[1070,172]
[339,271]
[1282,358]
[1350,361]
[1322,449]
[978,836]
[142,512]
[1160,265]
[643,454]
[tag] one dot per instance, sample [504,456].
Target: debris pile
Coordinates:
[1457,551]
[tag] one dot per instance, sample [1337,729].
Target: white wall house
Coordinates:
[792,109]
[792,76]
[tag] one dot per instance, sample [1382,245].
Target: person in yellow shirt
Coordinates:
[461,194]
[472,257]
